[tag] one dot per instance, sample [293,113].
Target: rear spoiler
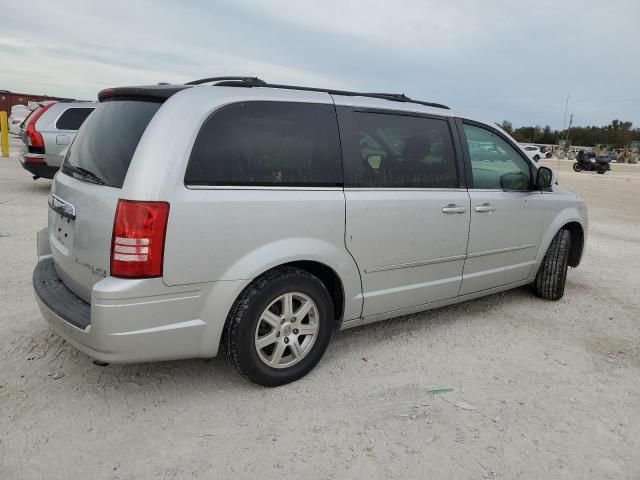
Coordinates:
[153,93]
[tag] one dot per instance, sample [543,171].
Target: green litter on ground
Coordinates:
[438,391]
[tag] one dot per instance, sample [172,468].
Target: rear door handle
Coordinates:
[453,208]
[485,207]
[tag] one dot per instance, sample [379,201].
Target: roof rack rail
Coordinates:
[394,97]
[246,81]
[257,82]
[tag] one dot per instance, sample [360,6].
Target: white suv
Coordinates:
[272,216]
[533,152]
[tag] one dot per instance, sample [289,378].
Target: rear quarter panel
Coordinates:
[235,233]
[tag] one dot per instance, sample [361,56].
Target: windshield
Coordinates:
[107,140]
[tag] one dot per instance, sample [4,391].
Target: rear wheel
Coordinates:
[602,170]
[280,327]
[552,275]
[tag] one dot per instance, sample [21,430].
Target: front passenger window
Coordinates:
[495,164]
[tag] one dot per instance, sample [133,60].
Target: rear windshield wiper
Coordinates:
[84,173]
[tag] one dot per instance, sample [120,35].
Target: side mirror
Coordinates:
[544,178]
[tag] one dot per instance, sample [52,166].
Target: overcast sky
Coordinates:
[495,60]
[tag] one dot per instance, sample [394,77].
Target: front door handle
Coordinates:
[453,208]
[485,207]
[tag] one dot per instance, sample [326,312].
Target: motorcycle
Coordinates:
[591,163]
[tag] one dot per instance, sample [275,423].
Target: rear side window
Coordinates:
[268,144]
[108,139]
[401,151]
[73,118]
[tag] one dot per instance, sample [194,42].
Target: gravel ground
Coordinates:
[539,389]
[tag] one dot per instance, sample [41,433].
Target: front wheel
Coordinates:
[552,275]
[601,171]
[280,327]
[577,167]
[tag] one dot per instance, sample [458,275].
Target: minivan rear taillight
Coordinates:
[35,143]
[137,245]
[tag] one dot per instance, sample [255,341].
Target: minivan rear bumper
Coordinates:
[118,327]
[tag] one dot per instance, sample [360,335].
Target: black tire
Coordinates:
[602,171]
[552,275]
[239,335]
[577,167]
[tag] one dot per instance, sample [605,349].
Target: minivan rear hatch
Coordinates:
[85,193]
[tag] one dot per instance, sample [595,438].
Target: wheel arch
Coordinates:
[572,217]
[330,279]
[323,272]
[578,236]
[577,242]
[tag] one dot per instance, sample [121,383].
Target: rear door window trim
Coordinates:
[346,123]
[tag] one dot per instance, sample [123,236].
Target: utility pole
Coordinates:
[566,140]
[566,109]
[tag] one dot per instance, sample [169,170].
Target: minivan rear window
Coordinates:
[265,143]
[108,139]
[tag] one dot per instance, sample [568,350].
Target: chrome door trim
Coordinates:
[62,207]
[420,263]
[500,250]
[397,266]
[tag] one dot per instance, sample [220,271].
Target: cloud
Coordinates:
[492,59]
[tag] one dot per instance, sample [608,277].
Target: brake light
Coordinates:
[34,138]
[137,245]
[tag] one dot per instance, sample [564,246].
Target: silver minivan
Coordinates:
[48,132]
[272,216]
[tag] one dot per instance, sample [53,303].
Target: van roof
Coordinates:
[163,91]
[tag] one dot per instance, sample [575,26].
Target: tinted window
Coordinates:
[268,143]
[73,118]
[495,163]
[400,151]
[107,140]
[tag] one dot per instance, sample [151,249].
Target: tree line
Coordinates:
[617,133]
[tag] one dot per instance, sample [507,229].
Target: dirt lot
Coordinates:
[540,389]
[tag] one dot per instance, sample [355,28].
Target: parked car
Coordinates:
[18,114]
[606,156]
[48,132]
[272,216]
[33,107]
[533,152]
